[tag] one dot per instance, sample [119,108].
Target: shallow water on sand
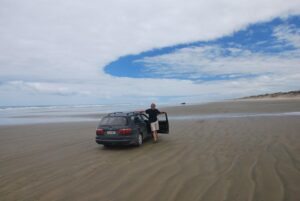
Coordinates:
[93,113]
[231,115]
[50,114]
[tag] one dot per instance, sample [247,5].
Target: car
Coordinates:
[128,128]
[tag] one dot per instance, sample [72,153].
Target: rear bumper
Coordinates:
[112,141]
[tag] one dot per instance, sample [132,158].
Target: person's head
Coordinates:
[153,106]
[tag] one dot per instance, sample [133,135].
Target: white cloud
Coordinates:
[287,34]
[211,60]
[271,71]
[69,42]
[197,62]
[44,88]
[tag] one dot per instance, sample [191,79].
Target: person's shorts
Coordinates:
[154,126]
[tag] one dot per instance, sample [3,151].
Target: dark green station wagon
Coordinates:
[121,128]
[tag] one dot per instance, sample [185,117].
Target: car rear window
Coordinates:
[113,121]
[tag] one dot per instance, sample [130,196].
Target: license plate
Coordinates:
[111,132]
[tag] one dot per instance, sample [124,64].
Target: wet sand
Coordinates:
[233,159]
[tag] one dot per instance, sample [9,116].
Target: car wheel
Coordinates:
[140,140]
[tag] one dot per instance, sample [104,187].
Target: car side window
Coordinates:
[138,119]
[144,117]
[141,118]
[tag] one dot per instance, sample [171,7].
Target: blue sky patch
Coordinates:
[226,58]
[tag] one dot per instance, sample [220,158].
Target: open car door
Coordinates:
[163,123]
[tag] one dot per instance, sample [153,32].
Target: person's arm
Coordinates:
[159,112]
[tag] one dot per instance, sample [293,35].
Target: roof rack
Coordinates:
[124,113]
[132,113]
[115,113]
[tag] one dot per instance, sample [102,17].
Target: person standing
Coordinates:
[153,112]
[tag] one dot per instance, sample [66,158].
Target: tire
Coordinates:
[139,140]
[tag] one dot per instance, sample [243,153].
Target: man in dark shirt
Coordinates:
[153,112]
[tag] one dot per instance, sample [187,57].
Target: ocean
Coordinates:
[11,115]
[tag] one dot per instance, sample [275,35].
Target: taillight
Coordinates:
[125,131]
[100,131]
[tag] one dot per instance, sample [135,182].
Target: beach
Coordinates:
[233,150]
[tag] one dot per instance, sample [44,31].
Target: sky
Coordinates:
[140,51]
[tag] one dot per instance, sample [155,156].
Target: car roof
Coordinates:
[123,114]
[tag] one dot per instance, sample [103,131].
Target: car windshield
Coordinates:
[113,121]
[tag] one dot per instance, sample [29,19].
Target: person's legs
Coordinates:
[154,133]
[155,128]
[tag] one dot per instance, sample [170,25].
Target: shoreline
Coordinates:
[218,108]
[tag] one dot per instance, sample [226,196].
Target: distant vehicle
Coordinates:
[130,128]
